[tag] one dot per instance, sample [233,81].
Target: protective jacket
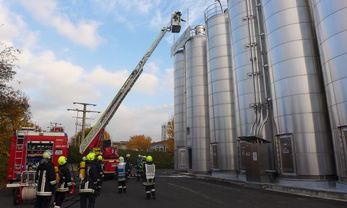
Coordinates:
[64,183]
[148,174]
[89,183]
[45,178]
[121,171]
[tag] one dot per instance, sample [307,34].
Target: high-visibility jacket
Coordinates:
[148,174]
[82,170]
[45,178]
[64,183]
[89,183]
[121,171]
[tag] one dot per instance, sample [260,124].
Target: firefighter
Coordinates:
[149,177]
[82,169]
[128,165]
[100,174]
[89,183]
[121,175]
[64,182]
[138,167]
[45,181]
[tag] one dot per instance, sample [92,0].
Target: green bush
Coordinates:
[74,155]
[162,160]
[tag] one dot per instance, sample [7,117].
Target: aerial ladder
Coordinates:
[93,137]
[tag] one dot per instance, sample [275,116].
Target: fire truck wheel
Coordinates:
[16,196]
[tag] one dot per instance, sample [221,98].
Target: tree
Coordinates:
[140,143]
[14,105]
[170,129]
[170,143]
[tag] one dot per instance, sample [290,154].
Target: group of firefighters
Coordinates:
[57,181]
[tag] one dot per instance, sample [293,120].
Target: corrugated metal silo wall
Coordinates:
[180,110]
[331,29]
[222,127]
[299,107]
[197,102]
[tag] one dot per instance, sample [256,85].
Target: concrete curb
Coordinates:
[321,194]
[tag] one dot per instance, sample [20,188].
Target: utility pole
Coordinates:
[84,112]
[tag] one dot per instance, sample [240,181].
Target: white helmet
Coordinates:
[121,159]
[128,155]
[47,155]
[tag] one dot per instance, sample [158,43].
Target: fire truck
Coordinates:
[27,147]
[92,140]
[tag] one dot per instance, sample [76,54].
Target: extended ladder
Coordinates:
[18,155]
[135,74]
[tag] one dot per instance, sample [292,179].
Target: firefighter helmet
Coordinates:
[149,158]
[121,159]
[128,155]
[46,155]
[62,160]
[99,157]
[91,156]
[84,158]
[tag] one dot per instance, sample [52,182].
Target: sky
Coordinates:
[84,50]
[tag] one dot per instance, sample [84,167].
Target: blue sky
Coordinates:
[83,50]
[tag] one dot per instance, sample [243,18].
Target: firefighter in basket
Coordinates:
[149,177]
[88,185]
[46,181]
[64,182]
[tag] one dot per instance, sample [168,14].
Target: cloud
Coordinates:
[145,120]
[12,27]
[47,12]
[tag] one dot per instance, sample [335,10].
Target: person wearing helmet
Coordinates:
[149,177]
[138,167]
[64,183]
[45,181]
[82,169]
[99,168]
[128,165]
[121,175]
[88,185]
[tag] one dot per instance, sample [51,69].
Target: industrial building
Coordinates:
[259,91]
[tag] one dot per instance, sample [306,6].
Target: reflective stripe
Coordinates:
[153,190]
[148,192]
[56,206]
[53,182]
[43,182]
[39,193]
[86,190]
[120,187]
[69,184]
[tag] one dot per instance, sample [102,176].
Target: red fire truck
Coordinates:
[27,146]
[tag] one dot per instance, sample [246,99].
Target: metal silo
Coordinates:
[197,101]
[180,109]
[331,29]
[222,127]
[300,114]
[251,90]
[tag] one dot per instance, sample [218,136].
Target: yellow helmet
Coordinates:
[149,158]
[91,156]
[99,157]
[62,160]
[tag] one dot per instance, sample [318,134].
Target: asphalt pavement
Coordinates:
[177,191]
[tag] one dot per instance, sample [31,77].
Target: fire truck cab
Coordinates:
[27,147]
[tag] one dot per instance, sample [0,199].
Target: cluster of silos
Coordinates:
[191,107]
[272,75]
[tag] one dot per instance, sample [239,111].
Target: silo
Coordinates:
[331,29]
[244,84]
[197,101]
[221,105]
[300,113]
[251,90]
[180,110]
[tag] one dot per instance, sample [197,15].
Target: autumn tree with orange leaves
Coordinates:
[139,142]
